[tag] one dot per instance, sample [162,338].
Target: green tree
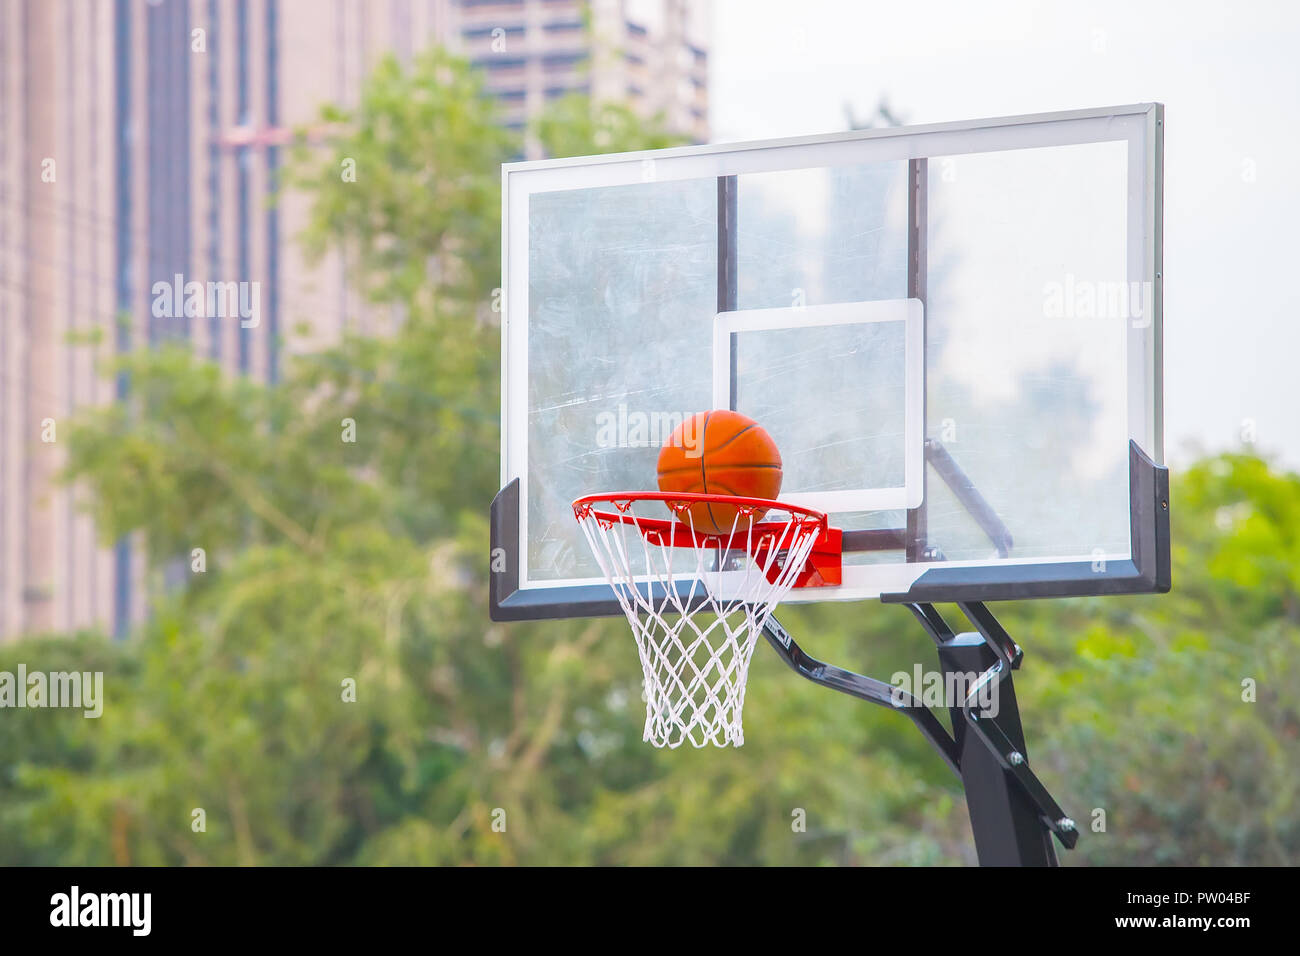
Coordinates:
[408,187]
[575,126]
[1175,714]
[333,561]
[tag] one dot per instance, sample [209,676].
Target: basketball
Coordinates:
[722,453]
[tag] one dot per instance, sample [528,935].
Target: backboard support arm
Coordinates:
[864,688]
[1013,816]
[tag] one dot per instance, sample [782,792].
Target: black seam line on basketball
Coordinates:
[704,472]
[709,450]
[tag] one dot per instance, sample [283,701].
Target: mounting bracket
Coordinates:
[1013,816]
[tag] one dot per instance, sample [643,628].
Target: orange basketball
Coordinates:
[722,453]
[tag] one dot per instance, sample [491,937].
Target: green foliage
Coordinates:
[331,562]
[409,186]
[574,126]
[1150,718]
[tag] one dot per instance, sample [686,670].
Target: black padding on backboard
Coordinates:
[1147,571]
[506,602]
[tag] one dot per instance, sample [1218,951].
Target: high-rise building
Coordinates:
[140,141]
[651,54]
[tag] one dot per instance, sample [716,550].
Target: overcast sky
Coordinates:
[1229,76]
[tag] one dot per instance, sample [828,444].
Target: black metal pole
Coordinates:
[1005,823]
[1012,815]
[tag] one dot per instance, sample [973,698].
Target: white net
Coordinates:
[697,604]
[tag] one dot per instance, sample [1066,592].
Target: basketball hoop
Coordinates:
[698,601]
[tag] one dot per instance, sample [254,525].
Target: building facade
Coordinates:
[141,139]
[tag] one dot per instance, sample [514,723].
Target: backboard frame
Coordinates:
[1146,567]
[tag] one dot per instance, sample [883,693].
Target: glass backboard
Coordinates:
[952,332]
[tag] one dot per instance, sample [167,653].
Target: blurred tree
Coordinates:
[575,126]
[333,561]
[1150,718]
[409,188]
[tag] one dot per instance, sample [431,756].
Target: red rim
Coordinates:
[680,533]
[822,567]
